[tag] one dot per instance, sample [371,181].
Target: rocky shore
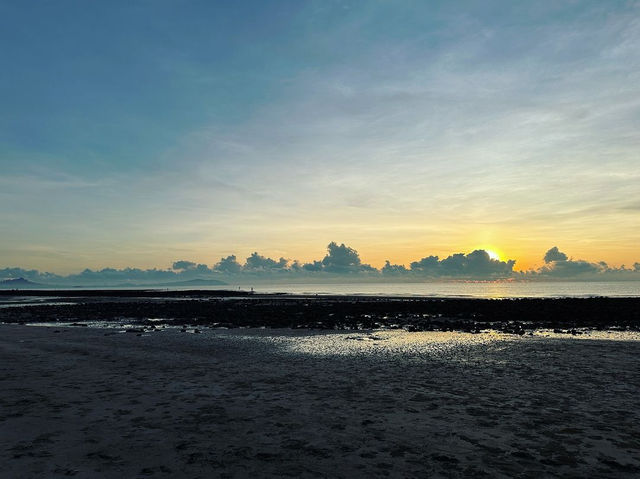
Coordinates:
[229,310]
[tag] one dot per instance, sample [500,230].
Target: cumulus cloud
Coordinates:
[28,274]
[191,269]
[178,265]
[180,271]
[258,263]
[572,268]
[343,259]
[228,265]
[340,259]
[554,255]
[428,264]
[314,266]
[295,266]
[393,269]
[477,264]
[559,265]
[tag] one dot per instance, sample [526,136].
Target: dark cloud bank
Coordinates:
[340,263]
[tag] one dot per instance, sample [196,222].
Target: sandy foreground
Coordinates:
[91,402]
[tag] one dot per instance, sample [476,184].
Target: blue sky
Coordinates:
[138,133]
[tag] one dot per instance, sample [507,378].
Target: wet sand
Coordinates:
[91,402]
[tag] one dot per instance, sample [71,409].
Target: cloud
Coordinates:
[572,269]
[477,264]
[178,265]
[393,269]
[228,265]
[315,266]
[189,268]
[29,274]
[428,264]
[340,260]
[554,255]
[258,263]
[464,101]
[559,265]
[343,259]
[112,275]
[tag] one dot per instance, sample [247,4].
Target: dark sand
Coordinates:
[90,402]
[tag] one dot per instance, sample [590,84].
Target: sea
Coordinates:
[451,289]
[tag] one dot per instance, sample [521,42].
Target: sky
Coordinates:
[139,133]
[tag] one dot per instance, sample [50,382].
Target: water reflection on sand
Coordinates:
[303,403]
[408,345]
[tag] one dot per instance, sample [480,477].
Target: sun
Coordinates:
[493,255]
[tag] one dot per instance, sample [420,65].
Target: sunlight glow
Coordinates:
[493,255]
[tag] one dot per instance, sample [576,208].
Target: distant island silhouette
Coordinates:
[20,283]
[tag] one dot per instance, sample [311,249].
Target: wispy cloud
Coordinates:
[380,122]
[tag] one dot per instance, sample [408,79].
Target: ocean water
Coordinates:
[442,289]
[458,289]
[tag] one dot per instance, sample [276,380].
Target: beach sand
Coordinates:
[91,402]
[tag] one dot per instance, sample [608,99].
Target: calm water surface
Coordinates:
[451,289]
[461,289]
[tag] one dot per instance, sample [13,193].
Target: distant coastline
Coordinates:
[25,284]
